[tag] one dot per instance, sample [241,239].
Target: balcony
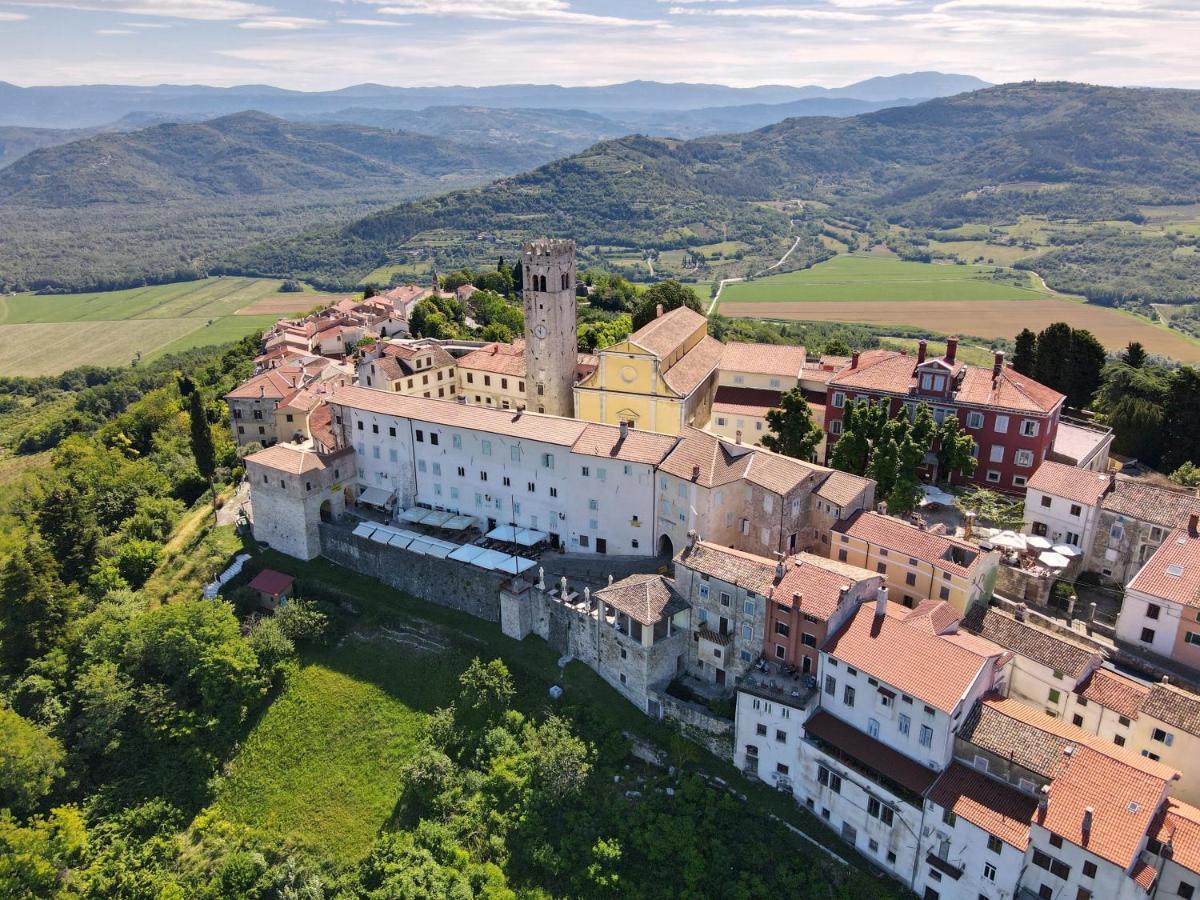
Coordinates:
[905,778]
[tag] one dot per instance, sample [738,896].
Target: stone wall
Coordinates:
[446,582]
[1017,584]
[698,724]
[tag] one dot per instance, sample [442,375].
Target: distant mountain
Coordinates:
[17,141]
[91,105]
[157,204]
[1055,149]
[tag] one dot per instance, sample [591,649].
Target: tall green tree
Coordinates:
[35,606]
[1053,350]
[852,450]
[1084,364]
[1025,352]
[67,523]
[1181,419]
[955,449]
[1132,402]
[793,431]
[204,450]
[1135,355]
[30,764]
[671,294]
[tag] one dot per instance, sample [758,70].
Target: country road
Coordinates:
[775,265]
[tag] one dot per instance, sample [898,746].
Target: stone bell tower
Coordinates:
[548,289]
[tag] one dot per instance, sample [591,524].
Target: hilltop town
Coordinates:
[909,679]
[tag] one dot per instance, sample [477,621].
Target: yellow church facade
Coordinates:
[661,378]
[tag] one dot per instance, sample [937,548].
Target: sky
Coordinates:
[328,44]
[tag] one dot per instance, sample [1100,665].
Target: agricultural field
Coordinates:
[941,298]
[47,334]
[417,272]
[999,254]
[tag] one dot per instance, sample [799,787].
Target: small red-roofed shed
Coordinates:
[273,588]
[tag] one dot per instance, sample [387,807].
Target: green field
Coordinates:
[47,334]
[874,279]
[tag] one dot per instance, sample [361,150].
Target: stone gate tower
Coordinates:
[548,288]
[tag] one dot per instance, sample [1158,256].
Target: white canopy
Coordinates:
[1009,540]
[934,494]
[490,559]
[436,518]
[363,530]
[414,515]
[399,540]
[467,553]
[1038,542]
[515,565]
[459,523]
[503,533]
[529,536]
[1068,550]
[382,535]
[1053,560]
[375,496]
[419,547]
[440,549]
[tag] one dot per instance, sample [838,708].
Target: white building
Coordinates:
[1062,503]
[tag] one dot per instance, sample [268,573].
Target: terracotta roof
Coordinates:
[1011,390]
[644,598]
[874,754]
[904,656]
[293,460]
[825,369]
[1149,503]
[1178,824]
[1174,706]
[637,446]
[950,554]
[524,425]
[1122,695]
[818,582]
[741,401]
[1143,874]
[889,371]
[841,488]
[934,616]
[1124,801]
[696,365]
[1045,647]
[662,336]
[320,427]
[720,462]
[998,808]
[1172,573]
[503,359]
[763,359]
[273,384]
[754,573]
[1070,483]
[268,581]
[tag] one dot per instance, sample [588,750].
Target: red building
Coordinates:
[1013,418]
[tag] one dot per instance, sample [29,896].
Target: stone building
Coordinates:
[414,368]
[548,292]
[1134,519]
[293,491]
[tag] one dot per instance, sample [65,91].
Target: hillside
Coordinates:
[1055,149]
[159,203]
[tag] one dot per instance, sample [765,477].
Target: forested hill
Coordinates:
[239,155]
[1059,149]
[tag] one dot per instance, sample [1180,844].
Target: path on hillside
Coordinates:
[775,265]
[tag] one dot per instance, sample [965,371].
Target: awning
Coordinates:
[418,547]
[440,549]
[436,518]
[503,533]
[515,565]
[363,530]
[1038,542]
[459,523]
[414,515]
[935,495]
[382,535]
[399,540]
[1068,550]
[467,553]
[1054,560]
[490,559]
[529,536]
[375,496]
[1009,540]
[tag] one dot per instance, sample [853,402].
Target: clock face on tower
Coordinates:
[539,331]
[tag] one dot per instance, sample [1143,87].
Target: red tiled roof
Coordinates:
[662,336]
[754,573]
[268,581]
[1178,824]
[875,755]
[1172,573]
[273,384]
[764,359]
[293,460]
[998,808]
[1151,503]
[1070,483]
[1122,695]
[502,359]
[818,582]
[696,365]
[1175,706]
[739,401]
[904,656]
[841,488]
[934,616]
[1055,652]
[946,553]
[644,598]
[1143,874]
[606,442]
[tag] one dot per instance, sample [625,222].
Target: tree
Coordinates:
[1053,349]
[955,449]
[671,294]
[137,559]
[836,346]
[34,606]
[30,763]
[204,451]
[1083,365]
[1181,419]
[852,450]
[1135,355]
[793,431]
[1132,402]
[67,523]
[1025,352]
[37,857]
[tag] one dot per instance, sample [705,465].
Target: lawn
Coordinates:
[110,328]
[870,279]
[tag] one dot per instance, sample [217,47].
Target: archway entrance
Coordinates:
[665,547]
[326,511]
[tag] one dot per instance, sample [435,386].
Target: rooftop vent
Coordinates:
[1174,570]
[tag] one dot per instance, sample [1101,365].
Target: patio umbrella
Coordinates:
[1053,560]
[1009,540]
[1068,550]
[1038,542]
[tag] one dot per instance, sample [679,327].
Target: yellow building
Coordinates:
[918,564]
[661,378]
[415,369]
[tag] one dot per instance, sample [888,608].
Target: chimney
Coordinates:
[658,310]
[624,430]
[881,596]
[692,537]
[1193,521]
[1019,612]
[1166,679]
[951,349]
[998,365]
[262,391]
[738,436]
[798,599]
[1088,814]
[922,348]
[695,473]
[1043,798]
[881,507]
[854,360]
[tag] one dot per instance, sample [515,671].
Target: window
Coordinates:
[992,476]
[781,768]
[994,844]
[1046,501]
[881,568]
[848,696]
[974,420]
[1089,870]
[926,736]
[943,593]
[910,578]
[1147,636]
[1029,428]
[989,871]
[1077,720]
[1119,740]
[830,685]
[748,606]
[1000,426]
[829,779]
[873,727]
[1024,458]
[780,736]
[1162,737]
[1185,890]
[996,453]
[782,629]
[839,400]
[726,600]
[1055,695]
[949,818]
[1153,610]
[904,724]
[1056,840]
[835,427]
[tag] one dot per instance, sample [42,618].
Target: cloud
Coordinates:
[508,10]
[108,31]
[203,10]
[371,23]
[144,25]
[280,23]
[12,17]
[778,13]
